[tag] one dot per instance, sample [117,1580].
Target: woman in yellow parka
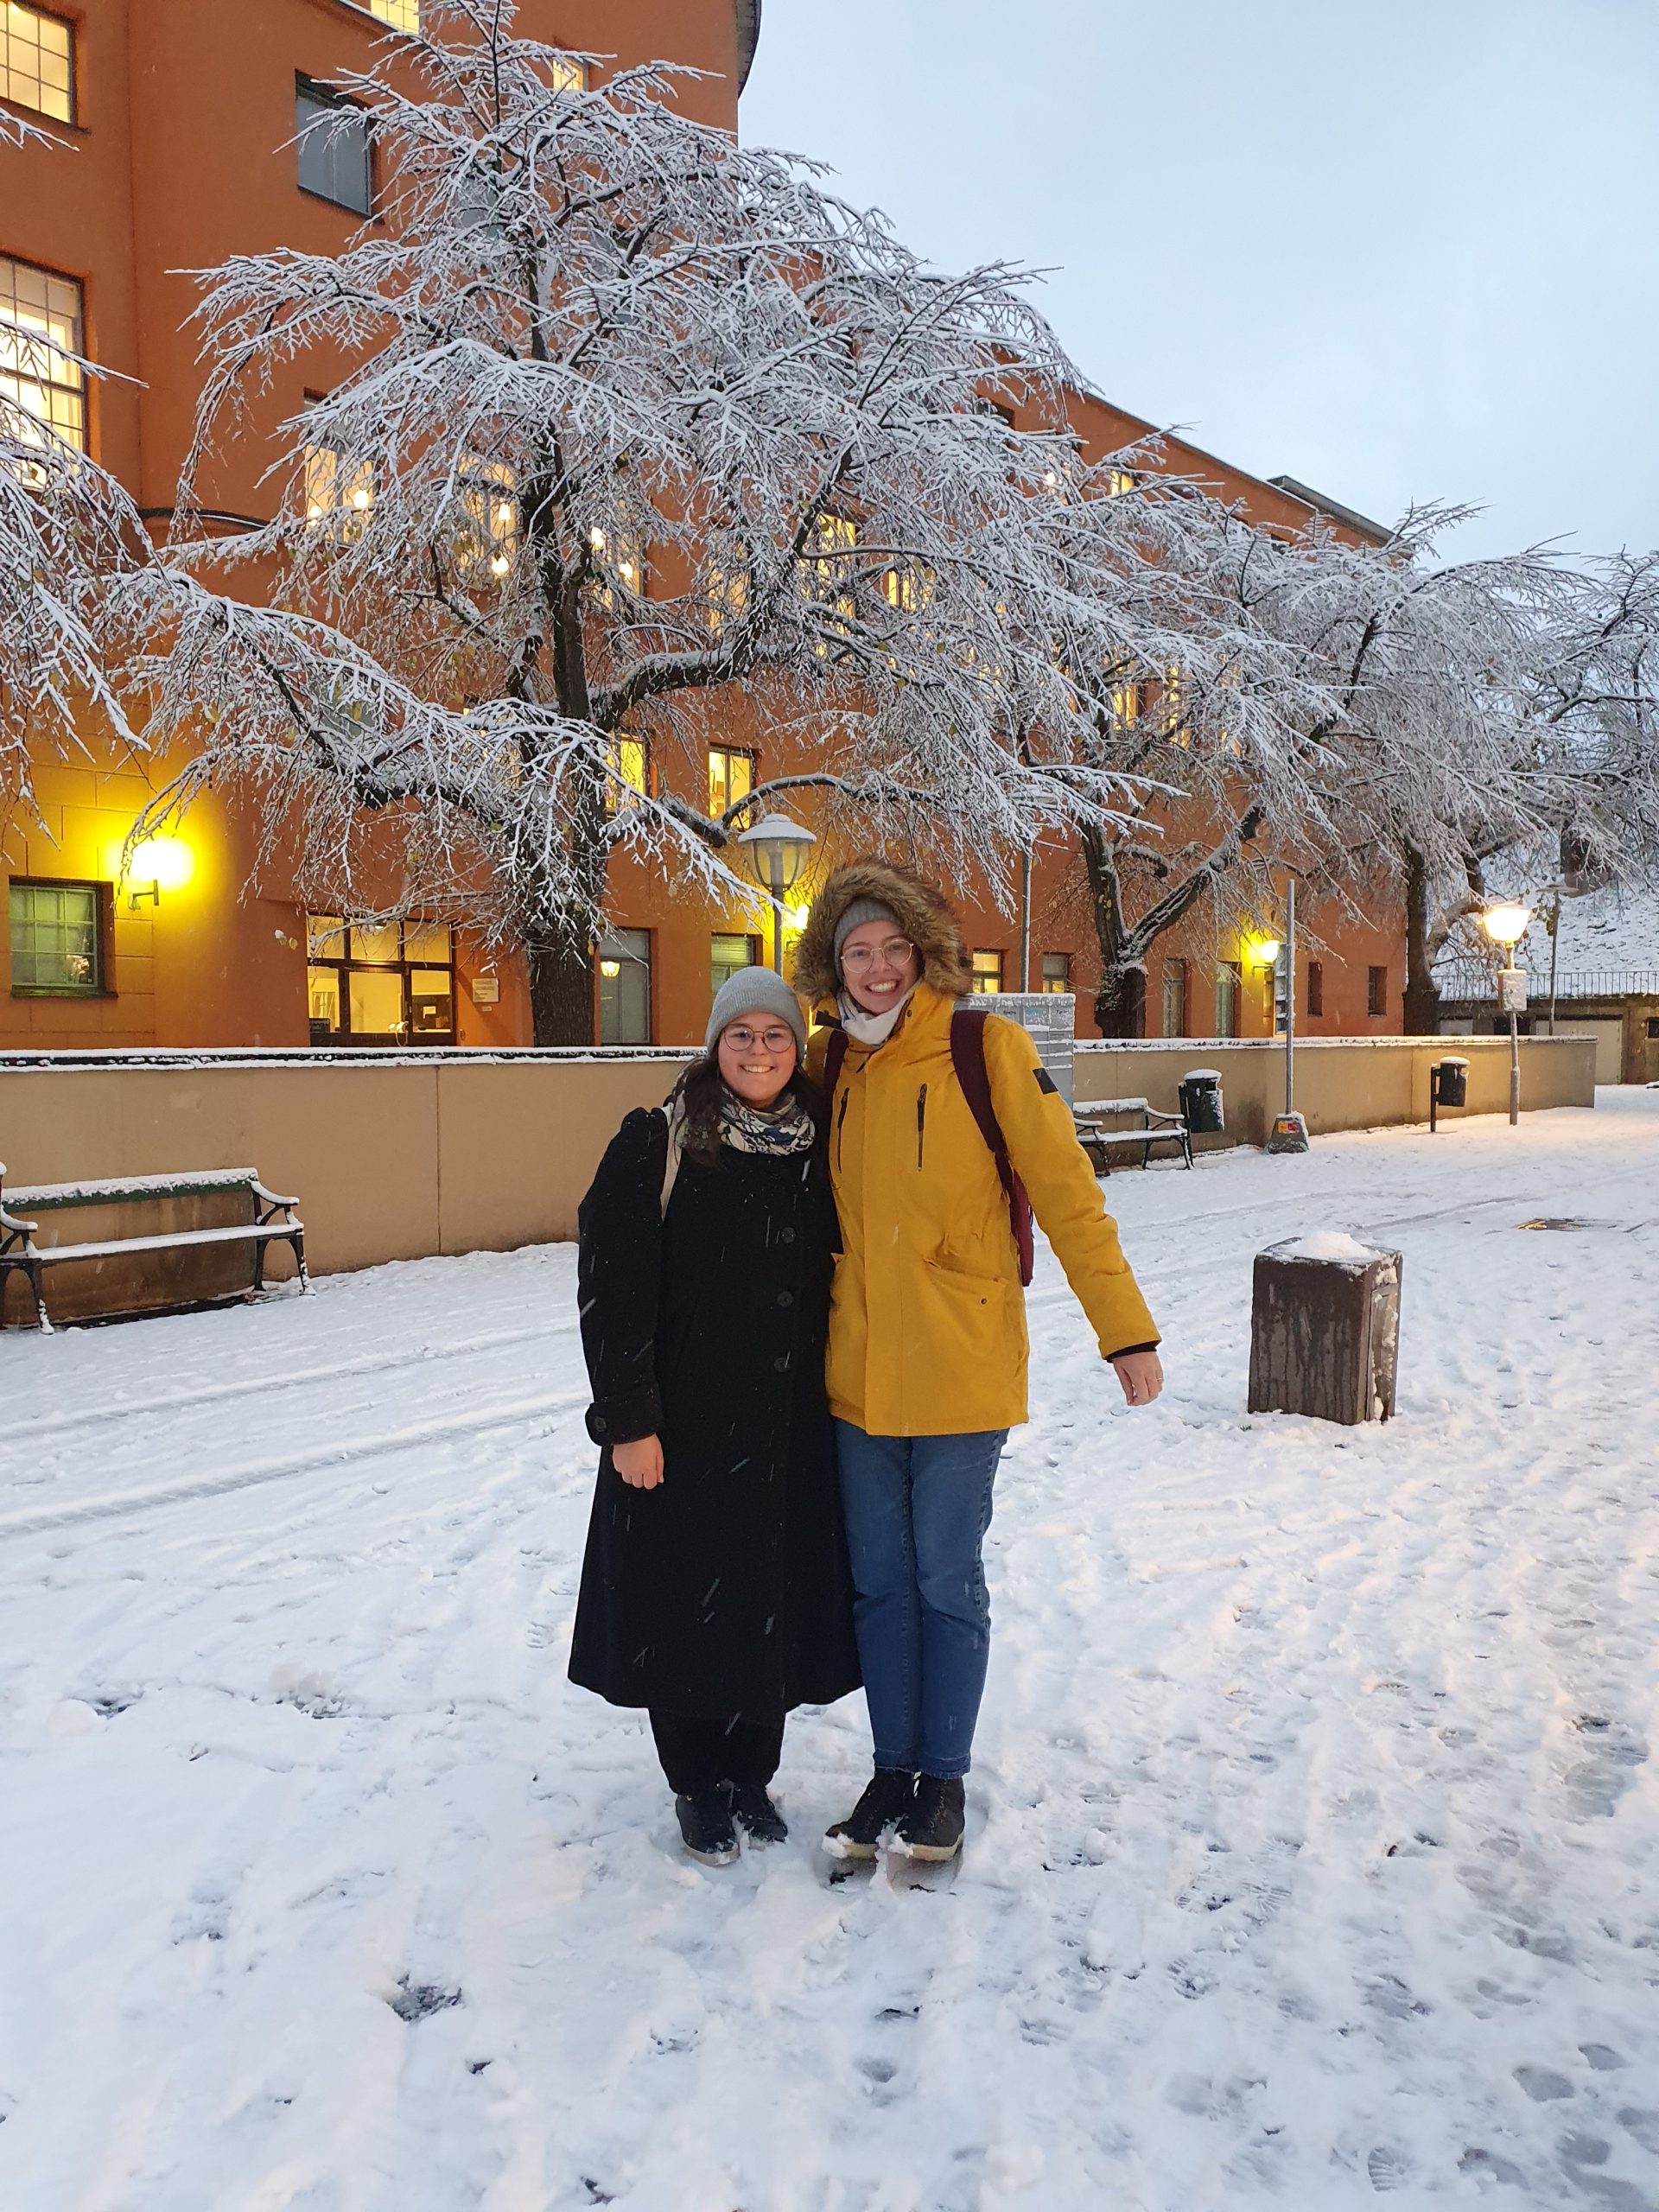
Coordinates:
[927,1353]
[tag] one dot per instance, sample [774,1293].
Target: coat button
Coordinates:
[785,1298]
[786,1236]
[780,1366]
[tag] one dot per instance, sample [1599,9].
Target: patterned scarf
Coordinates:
[786,1127]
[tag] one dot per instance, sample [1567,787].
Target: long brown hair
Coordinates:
[701,1089]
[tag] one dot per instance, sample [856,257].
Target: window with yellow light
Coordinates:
[37,61]
[731,776]
[41,330]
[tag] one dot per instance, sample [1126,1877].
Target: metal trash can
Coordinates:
[1454,1081]
[1202,1108]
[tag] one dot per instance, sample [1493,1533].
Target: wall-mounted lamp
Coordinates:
[158,864]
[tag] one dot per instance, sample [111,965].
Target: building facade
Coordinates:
[171,145]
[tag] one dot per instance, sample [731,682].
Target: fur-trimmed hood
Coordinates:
[924,918]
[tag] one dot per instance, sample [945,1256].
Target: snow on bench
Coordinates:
[1156,1127]
[273,1218]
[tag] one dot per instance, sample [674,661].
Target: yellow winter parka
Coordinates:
[927,1320]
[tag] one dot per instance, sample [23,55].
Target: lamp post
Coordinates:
[1506,926]
[777,849]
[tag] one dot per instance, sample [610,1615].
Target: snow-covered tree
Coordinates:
[639,427]
[65,528]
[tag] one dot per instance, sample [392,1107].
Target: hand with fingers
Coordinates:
[639,1464]
[1140,1373]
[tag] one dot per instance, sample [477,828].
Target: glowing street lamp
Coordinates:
[779,850]
[1506,926]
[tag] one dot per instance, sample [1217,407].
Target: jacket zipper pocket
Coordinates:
[840,1118]
[921,1122]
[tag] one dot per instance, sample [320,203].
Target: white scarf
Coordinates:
[871,1029]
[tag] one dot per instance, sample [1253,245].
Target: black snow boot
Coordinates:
[931,1829]
[756,1815]
[886,1801]
[706,1824]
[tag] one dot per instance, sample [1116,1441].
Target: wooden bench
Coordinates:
[1154,1126]
[19,1253]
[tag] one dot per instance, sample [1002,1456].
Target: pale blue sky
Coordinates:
[1402,252]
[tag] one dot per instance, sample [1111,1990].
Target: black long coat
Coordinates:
[726,1589]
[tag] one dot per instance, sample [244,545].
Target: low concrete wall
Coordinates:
[1342,1083]
[391,1159]
[397,1158]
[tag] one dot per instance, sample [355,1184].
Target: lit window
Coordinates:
[392,983]
[988,973]
[487,545]
[617,555]
[729,955]
[731,776]
[1126,704]
[568,75]
[627,764]
[1118,481]
[37,61]
[625,986]
[40,328]
[339,495]
[401,15]
[335,155]
[828,569]
[1057,973]
[907,590]
[57,939]
[1175,725]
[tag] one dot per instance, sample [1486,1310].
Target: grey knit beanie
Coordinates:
[756,991]
[857,911]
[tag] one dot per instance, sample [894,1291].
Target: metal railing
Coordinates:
[1479,984]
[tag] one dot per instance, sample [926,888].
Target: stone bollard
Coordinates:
[1324,1329]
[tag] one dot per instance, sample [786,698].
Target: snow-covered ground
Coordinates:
[1313,1852]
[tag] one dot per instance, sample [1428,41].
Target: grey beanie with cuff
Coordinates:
[857,912]
[755,991]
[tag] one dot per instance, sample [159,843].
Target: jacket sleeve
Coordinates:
[618,1277]
[1065,1198]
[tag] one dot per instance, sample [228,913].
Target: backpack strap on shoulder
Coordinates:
[968,1057]
[835,1053]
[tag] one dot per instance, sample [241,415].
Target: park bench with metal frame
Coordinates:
[19,1254]
[1155,1128]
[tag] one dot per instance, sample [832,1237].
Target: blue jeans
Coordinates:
[917,1510]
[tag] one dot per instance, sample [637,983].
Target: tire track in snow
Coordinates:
[120,1503]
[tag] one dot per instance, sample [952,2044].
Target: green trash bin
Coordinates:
[1202,1107]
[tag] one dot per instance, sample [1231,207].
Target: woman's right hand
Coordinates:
[639,1464]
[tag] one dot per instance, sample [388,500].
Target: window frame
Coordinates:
[104,937]
[72,121]
[1177,971]
[48,378]
[325,95]
[1376,993]
[403,968]
[756,958]
[613,935]
[1049,986]
[731,753]
[980,988]
[1315,999]
[1229,989]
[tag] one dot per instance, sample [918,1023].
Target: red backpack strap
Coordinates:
[968,1057]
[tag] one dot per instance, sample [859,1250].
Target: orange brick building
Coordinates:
[171,129]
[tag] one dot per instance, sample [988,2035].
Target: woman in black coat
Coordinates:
[714,1590]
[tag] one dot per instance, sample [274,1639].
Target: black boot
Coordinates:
[756,1815]
[887,1799]
[931,1829]
[706,1824]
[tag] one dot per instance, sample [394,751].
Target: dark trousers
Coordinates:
[697,1753]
